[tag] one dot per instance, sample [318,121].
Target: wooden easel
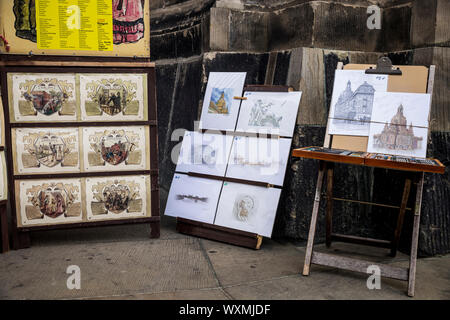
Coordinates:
[219,233]
[411,79]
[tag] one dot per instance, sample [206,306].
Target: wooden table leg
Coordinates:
[4,228]
[401,217]
[329,217]
[415,238]
[312,227]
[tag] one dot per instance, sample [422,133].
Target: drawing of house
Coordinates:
[355,105]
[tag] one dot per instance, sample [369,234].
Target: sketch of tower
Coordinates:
[397,135]
[355,105]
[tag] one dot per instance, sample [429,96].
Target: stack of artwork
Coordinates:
[395,123]
[242,172]
[3,170]
[59,126]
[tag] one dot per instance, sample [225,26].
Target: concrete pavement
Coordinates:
[121,262]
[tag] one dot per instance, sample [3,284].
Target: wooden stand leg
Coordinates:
[401,217]
[312,227]
[154,230]
[329,218]
[21,240]
[4,228]
[415,238]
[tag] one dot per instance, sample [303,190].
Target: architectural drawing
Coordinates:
[46,150]
[220,110]
[220,100]
[352,102]
[354,106]
[42,97]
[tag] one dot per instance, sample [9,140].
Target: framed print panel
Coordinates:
[259,159]
[2,123]
[193,198]
[269,112]
[204,153]
[352,101]
[118,197]
[45,150]
[113,97]
[116,149]
[3,177]
[48,202]
[130,34]
[42,97]
[220,109]
[248,208]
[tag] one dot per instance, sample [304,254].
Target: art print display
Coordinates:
[113,97]
[258,159]
[42,97]
[352,101]
[3,177]
[193,198]
[204,153]
[400,124]
[130,24]
[46,202]
[45,150]
[116,149]
[118,197]
[220,109]
[269,112]
[248,208]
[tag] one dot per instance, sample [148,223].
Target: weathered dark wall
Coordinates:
[299,43]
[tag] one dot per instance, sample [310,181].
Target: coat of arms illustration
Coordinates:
[46,96]
[49,149]
[111,96]
[114,147]
[117,196]
[52,200]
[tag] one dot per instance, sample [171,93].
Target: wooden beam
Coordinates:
[360,240]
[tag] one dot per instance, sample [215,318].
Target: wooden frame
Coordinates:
[21,236]
[219,233]
[412,174]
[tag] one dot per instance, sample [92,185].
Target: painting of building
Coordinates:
[354,105]
[397,135]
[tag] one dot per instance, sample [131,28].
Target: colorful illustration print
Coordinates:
[46,96]
[117,197]
[25,24]
[54,199]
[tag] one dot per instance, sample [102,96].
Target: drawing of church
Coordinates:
[355,105]
[397,135]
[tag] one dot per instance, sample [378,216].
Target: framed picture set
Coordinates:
[83,145]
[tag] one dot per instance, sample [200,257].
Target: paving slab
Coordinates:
[107,269]
[199,294]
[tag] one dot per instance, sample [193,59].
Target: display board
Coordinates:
[233,181]
[366,116]
[83,145]
[116,28]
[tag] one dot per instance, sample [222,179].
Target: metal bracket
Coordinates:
[384,66]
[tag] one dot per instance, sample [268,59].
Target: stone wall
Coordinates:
[299,43]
